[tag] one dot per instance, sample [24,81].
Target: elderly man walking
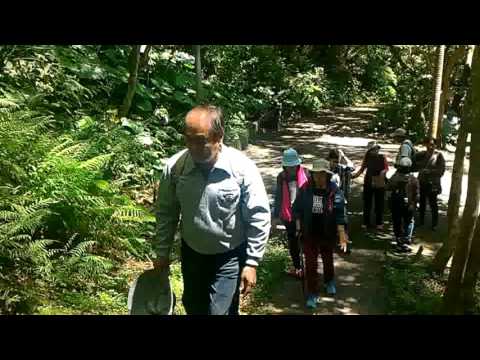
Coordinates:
[225,216]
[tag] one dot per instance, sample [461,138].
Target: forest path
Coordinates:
[359,275]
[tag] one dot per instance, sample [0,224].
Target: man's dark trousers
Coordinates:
[211,282]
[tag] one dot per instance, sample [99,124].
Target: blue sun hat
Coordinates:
[291,158]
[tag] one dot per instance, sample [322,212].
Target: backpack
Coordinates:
[412,155]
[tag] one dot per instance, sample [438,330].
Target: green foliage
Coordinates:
[309,91]
[269,274]
[411,288]
[76,185]
[107,302]
[63,225]
[176,281]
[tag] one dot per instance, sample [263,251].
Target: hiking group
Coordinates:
[218,197]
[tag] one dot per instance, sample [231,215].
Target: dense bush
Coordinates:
[61,222]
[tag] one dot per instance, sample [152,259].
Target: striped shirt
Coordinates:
[342,177]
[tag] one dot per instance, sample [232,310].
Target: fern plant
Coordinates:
[24,254]
[51,191]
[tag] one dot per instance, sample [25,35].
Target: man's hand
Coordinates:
[343,240]
[248,279]
[161,263]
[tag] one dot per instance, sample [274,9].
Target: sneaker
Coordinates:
[299,273]
[402,248]
[312,301]
[364,227]
[395,241]
[379,227]
[330,286]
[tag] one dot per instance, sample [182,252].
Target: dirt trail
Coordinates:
[359,275]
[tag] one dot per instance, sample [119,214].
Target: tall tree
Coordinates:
[453,292]
[437,90]
[452,59]
[133,62]
[198,71]
[473,265]
[471,273]
[445,252]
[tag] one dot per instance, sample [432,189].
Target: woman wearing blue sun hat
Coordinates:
[290,180]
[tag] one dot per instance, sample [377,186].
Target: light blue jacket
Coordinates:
[217,214]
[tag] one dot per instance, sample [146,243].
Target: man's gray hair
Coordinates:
[215,114]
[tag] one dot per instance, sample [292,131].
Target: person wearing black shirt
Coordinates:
[374,184]
[320,214]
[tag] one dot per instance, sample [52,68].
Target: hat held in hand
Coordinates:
[151,294]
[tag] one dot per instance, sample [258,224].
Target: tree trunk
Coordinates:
[133,63]
[437,90]
[473,264]
[453,292]
[198,70]
[446,251]
[452,60]
[471,273]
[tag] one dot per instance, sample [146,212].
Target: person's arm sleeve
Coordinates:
[410,191]
[339,207]
[364,165]
[167,212]
[415,162]
[278,198]
[417,191]
[413,191]
[255,213]
[440,166]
